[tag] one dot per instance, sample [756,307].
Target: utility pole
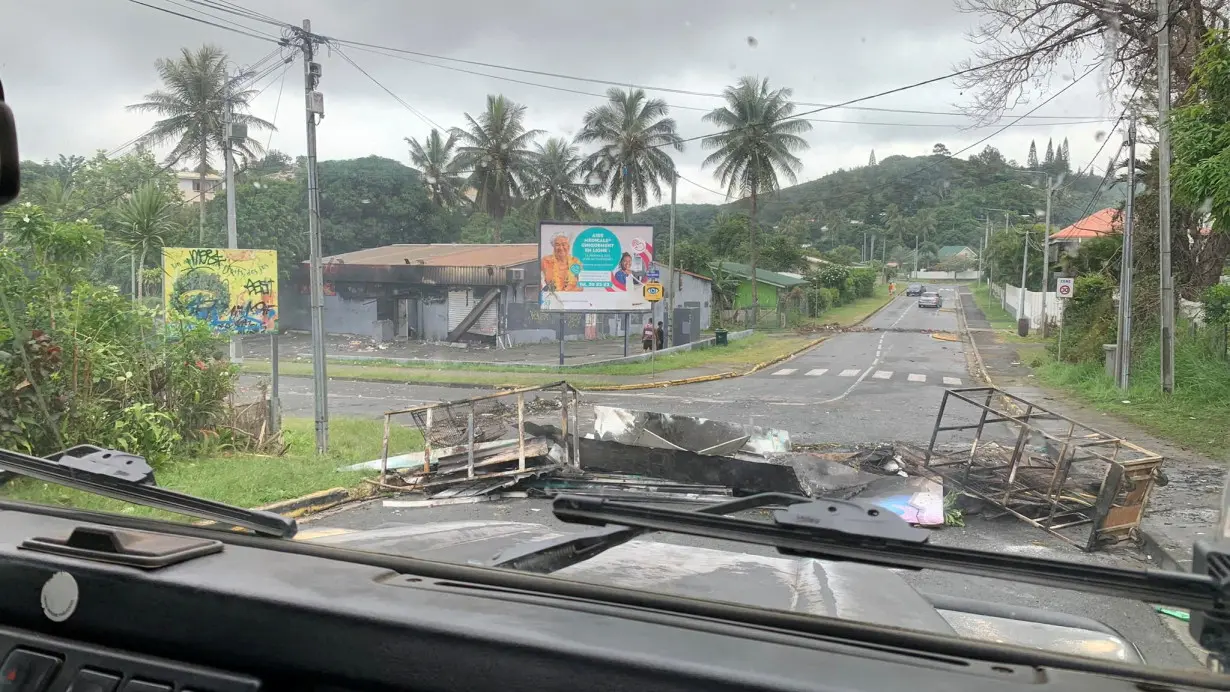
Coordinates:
[916,255]
[1046,253]
[670,268]
[232,233]
[986,239]
[1163,193]
[315,105]
[1003,297]
[1020,306]
[1123,354]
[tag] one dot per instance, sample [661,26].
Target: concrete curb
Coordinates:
[307,504]
[1147,542]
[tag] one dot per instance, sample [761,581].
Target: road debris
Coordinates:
[1042,467]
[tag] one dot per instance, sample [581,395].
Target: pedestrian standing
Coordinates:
[661,336]
[647,335]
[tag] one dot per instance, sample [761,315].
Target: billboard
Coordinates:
[235,291]
[594,267]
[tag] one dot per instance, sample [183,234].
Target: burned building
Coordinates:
[437,292]
[455,292]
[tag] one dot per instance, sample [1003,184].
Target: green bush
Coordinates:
[81,363]
[863,282]
[1089,319]
[1216,300]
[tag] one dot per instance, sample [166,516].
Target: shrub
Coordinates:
[1089,319]
[81,363]
[863,282]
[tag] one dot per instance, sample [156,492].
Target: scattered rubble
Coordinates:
[1038,466]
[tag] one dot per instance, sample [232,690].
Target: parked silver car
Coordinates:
[930,300]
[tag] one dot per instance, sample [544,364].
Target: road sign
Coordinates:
[653,274]
[653,291]
[1063,287]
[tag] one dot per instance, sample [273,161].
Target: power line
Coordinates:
[706,189]
[261,37]
[399,99]
[703,109]
[230,22]
[239,10]
[689,92]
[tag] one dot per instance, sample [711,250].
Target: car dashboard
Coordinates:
[268,614]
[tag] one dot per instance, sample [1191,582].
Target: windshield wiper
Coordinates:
[853,532]
[107,472]
[553,554]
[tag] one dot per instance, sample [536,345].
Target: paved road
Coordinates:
[869,380]
[879,385]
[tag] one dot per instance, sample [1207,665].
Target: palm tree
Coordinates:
[495,148]
[630,163]
[196,87]
[755,145]
[559,189]
[437,164]
[146,221]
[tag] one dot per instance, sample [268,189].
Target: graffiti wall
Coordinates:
[235,291]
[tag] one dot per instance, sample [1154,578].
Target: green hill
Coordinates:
[941,200]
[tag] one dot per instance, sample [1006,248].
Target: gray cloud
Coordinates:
[70,67]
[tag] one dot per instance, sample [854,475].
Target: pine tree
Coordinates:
[1031,161]
[872,161]
[1050,154]
[1067,155]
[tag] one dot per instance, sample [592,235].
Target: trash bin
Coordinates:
[1022,327]
[719,337]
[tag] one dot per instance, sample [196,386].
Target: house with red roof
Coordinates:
[1106,222]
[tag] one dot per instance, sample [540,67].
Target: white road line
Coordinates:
[904,312]
[853,372]
[817,372]
[786,371]
[914,377]
[953,381]
[883,374]
[839,397]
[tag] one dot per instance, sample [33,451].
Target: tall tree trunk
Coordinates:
[201,182]
[755,282]
[140,271]
[627,196]
[497,228]
[552,207]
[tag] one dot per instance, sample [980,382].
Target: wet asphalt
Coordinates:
[883,384]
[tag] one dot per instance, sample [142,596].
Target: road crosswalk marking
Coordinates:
[883,375]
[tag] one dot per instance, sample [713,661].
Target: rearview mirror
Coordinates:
[10,162]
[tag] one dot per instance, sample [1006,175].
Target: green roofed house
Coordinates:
[964,251]
[772,286]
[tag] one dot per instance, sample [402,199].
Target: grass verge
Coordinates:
[1194,416]
[247,480]
[857,311]
[990,306]
[739,355]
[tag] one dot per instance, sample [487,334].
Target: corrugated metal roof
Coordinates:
[441,255]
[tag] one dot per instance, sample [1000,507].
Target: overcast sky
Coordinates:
[71,66]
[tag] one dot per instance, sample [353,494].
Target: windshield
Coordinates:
[483,263]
